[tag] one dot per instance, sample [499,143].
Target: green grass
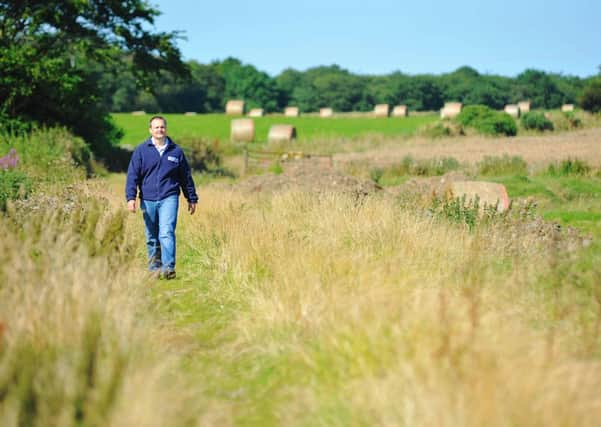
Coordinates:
[571,201]
[524,186]
[573,216]
[217,126]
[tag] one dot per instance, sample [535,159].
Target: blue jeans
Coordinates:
[160,219]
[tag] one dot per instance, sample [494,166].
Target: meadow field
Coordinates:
[217,126]
[350,276]
[320,307]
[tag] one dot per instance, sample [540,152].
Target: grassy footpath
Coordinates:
[298,310]
[217,126]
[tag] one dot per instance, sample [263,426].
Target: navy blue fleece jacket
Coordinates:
[158,176]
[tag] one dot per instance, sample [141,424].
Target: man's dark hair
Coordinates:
[155,118]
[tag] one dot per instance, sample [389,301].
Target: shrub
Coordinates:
[567,120]
[498,124]
[276,168]
[410,166]
[14,184]
[574,122]
[487,121]
[438,130]
[569,167]
[376,174]
[397,173]
[201,154]
[50,155]
[590,99]
[506,165]
[472,114]
[463,211]
[434,167]
[534,120]
[15,126]
[441,130]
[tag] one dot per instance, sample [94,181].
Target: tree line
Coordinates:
[71,64]
[210,86]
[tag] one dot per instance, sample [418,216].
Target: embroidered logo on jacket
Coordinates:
[173,159]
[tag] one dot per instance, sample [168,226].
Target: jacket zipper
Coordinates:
[160,167]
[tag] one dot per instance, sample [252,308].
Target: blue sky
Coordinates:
[381,36]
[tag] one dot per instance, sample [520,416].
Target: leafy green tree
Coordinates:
[458,84]
[122,93]
[382,89]
[570,87]
[304,96]
[539,88]
[297,89]
[178,96]
[590,99]
[324,86]
[334,87]
[54,54]
[468,86]
[212,86]
[242,81]
[286,82]
[422,93]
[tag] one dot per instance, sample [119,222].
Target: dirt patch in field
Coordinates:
[305,175]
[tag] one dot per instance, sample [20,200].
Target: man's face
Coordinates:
[158,129]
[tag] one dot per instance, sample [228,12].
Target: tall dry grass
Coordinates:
[360,313]
[77,346]
[291,309]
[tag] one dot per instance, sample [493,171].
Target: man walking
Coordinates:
[159,169]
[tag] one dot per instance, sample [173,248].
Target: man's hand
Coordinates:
[191,208]
[131,206]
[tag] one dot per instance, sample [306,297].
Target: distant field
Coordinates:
[214,126]
[537,149]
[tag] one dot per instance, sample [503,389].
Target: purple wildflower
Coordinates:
[10,160]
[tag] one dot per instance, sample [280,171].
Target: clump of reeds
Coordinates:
[76,347]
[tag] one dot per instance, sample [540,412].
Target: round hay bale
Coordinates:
[400,111]
[284,133]
[566,108]
[513,110]
[381,110]
[190,113]
[326,112]
[450,110]
[242,130]
[255,112]
[291,112]
[524,106]
[234,107]
[138,113]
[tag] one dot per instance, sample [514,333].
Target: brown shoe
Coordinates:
[169,274]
